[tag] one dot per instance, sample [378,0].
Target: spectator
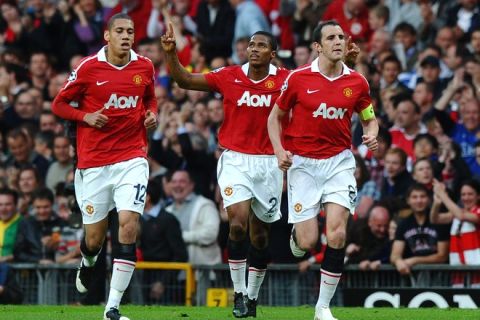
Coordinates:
[390,69]
[406,37]
[160,240]
[368,239]
[28,182]
[40,72]
[88,24]
[378,18]
[404,11]
[44,144]
[249,19]
[9,221]
[375,160]
[302,54]
[22,154]
[23,111]
[422,173]
[417,240]
[423,96]
[215,26]
[37,238]
[464,231]
[139,11]
[396,180]
[48,122]
[199,220]
[430,74]
[367,190]
[407,126]
[57,172]
[352,15]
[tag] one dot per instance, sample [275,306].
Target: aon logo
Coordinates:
[121,102]
[329,112]
[255,100]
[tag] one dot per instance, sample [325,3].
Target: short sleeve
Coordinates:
[402,226]
[287,97]
[364,100]
[216,79]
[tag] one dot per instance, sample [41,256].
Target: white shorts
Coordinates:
[243,176]
[120,185]
[313,182]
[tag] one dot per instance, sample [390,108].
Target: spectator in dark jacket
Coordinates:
[160,240]
[10,292]
[38,235]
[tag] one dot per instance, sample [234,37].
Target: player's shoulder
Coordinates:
[143,59]
[282,73]
[87,62]
[227,69]
[356,76]
[302,70]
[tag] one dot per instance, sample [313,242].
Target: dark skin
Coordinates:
[260,55]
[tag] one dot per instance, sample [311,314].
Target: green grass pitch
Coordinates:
[204,313]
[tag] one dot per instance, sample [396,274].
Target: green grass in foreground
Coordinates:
[204,313]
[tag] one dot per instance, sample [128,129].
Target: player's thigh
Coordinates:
[239,212]
[307,232]
[234,178]
[94,193]
[267,189]
[131,179]
[305,189]
[341,189]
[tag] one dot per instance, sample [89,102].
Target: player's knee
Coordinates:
[128,232]
[306,242]
[259,241]
[238,231]
[337,238]
[94,242]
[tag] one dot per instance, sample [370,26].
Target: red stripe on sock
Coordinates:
[237,261]
[128,263]
[257,270]
[335,275]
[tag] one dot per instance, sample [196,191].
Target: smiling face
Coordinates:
[120,37]
[332,43]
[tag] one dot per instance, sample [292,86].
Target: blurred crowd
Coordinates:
[418,193]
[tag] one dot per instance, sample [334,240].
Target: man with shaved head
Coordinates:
[368,239]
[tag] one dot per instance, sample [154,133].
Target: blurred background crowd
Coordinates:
[421,58]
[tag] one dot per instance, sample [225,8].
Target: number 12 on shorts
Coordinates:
[140,194]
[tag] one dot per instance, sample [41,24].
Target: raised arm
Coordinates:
[185,79]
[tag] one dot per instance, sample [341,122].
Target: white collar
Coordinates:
[271,71]
[101,56]
[315,68]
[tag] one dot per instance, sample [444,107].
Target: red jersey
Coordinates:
[125,92]
[321,109]
[246,105]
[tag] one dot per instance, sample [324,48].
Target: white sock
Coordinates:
[237,273]
[121,275]
[255,279]
[328,285]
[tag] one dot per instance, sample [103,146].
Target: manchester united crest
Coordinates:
[89,208]
[228,191]
[347,92]
[297,207]
[137,79]
[270,84]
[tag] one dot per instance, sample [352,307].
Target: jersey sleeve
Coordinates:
[287,97]
[72,90]
[216,78]
[364,101]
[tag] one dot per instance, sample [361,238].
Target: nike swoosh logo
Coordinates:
[101,83]
[237,81]
[137,202]
[312,91]
[122,270]
[330,284]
